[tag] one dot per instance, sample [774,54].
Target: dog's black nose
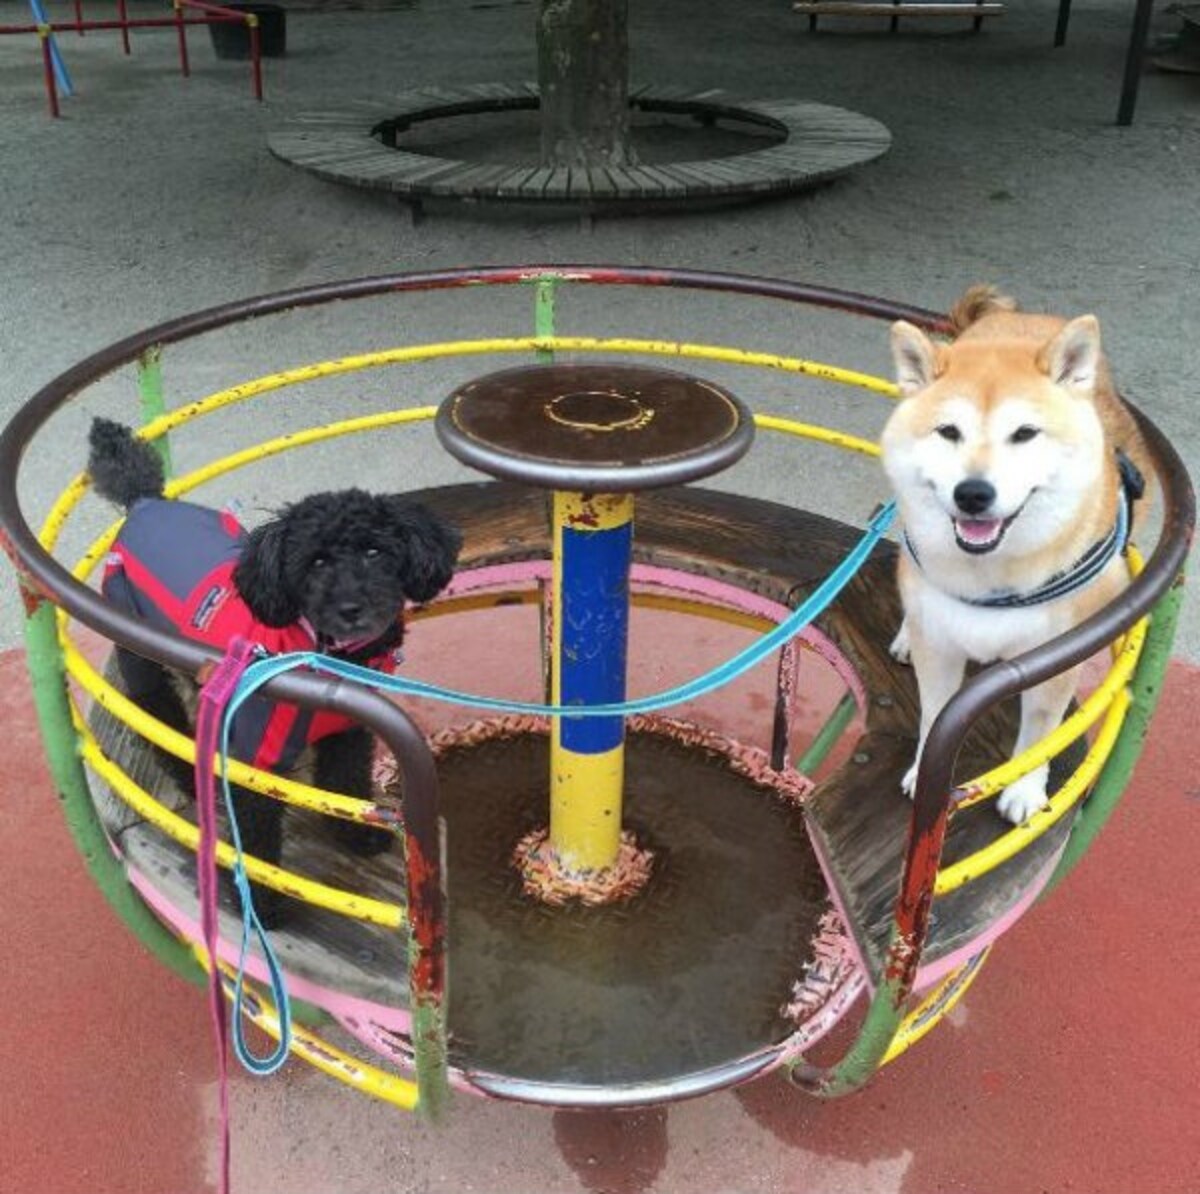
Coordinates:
[974,496]
[349,612]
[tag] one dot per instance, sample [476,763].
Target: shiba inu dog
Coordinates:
[1015,466]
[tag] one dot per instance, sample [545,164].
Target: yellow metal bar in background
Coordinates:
[61,511]
[397,356]
[592,545]
[516,344]
[826,435]
[71,496]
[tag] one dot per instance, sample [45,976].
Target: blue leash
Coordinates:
[264,670]
[815,604]
[56,58]
[251,927]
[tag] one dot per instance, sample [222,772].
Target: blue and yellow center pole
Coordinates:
[593,544]
[592,435]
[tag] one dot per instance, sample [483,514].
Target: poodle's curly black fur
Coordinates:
[345,562]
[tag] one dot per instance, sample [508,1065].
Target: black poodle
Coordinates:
[331,572]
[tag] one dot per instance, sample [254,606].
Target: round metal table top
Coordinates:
[600,427]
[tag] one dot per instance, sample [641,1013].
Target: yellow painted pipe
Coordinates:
[390,916]
[995,781]
[918,1023]
[1017,838]
[1126,652]
[329,1059]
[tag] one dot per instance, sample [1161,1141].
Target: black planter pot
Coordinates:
[231,39]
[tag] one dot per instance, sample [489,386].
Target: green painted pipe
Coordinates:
[48,680]
[828,735]
[543,314]
[884,1016]
[1145,687]
[150,391]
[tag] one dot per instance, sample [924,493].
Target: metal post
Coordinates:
[255,56]
[883,1019]
[1133,61]
[123,16]
[181,29]
[1064,18]
[786,678]
[543,314]
[828,735]
[150,392]
[44,35]
[593,543]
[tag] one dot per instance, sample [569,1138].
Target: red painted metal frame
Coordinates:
[216,14]
[48,70]
[213,14]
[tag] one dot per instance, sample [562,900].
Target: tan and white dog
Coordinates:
[1015,466]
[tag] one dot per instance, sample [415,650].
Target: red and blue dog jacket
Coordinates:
[172,565]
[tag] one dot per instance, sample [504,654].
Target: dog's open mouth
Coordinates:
[980,535]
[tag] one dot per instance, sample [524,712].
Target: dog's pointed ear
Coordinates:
[430,547]
[261,576]
[917,359]
[1072,358]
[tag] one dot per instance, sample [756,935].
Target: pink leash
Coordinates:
[215,695]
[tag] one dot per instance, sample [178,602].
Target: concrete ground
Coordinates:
[1069,1064]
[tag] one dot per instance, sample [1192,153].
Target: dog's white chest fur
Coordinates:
[982,634]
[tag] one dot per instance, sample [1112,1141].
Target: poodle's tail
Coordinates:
[123,468]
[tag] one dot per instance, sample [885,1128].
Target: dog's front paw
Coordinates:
[364,840]
[1021,799]
[900,649]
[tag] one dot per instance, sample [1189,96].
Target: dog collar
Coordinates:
[1085,569]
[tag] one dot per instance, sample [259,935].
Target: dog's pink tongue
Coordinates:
[978,530]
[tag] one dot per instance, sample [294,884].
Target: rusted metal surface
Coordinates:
[600,427]
[787,678]
[545,878]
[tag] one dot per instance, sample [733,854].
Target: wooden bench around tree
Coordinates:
[362,145]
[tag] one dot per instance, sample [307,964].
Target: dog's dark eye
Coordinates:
[318,562]
[949,432]
[1024,434]
[371,553]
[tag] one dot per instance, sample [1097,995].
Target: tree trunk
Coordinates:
[583,74]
